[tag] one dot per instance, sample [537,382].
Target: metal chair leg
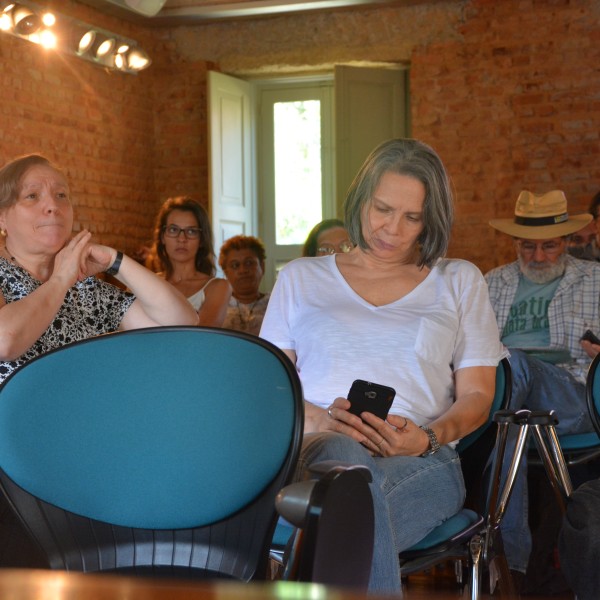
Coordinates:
[475,551]
[548,446]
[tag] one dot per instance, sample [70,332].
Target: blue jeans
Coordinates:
[411,496]
[537,385]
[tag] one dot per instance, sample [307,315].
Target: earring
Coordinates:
[3,232]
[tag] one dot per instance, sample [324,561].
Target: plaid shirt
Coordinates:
[574,308]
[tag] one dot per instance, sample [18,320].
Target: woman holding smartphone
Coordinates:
[392,311]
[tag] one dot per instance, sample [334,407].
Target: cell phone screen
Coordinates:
[366,396]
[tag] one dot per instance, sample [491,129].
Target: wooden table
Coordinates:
[25,584]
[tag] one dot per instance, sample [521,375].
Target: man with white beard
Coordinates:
[544,302]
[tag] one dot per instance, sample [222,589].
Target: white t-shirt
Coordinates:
[413,344]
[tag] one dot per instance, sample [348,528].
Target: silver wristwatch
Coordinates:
[434,445]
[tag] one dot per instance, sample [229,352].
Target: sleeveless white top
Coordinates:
[197,299]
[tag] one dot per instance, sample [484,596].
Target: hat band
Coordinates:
[537,221]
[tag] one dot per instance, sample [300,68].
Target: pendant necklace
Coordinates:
[246,322]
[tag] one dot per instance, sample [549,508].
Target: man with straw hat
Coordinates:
[544,302]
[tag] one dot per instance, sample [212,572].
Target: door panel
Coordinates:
[370,107]
[232,207]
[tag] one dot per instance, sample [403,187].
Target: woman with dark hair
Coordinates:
[395,312]
[183,254]
[327,237]
[242,259]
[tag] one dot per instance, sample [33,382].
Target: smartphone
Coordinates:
[371,397]
[590,337]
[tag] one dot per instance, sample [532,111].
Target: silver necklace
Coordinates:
[243,321]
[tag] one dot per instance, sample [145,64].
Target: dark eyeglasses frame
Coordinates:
[196,231]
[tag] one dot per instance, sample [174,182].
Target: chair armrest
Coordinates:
[335,520]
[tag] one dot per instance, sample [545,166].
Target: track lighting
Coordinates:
[25,20]
[28,21]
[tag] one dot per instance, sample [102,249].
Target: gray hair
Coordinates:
[414,159]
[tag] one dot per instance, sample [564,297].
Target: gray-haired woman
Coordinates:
[395,312]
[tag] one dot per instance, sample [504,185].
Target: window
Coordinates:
[296,181]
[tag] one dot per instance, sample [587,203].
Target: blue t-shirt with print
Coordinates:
[527,325]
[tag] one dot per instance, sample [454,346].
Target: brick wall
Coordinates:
[506,91]
[126,142]
[514,106]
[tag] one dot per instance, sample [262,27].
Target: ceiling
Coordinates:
[189,12]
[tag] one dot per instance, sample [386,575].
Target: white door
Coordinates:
[232,205]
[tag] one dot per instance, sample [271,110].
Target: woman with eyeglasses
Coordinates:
[242,259]
[327,237]
[183,254]
[395,312]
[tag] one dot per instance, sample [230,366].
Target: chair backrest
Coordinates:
[159,448]
[500,401]
[475,448]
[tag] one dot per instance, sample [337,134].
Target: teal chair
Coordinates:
[462,537]
[154,452]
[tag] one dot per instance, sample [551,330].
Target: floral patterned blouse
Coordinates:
[91,307]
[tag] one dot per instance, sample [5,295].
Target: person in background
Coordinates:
[586,242]
[327,237]
[582,244]
[183,254]
[50,295]
[395,312]
[544,302]
[242,259]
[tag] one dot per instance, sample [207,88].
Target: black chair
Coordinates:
[154,452]
[462,537]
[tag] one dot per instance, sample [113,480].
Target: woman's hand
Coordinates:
[397,436]
[96,259]
[68,261]
[335,418]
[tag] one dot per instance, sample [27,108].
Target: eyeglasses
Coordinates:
[344,246]
[248,263]
[547,247]
[190,233]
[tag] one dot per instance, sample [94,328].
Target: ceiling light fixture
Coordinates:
[52,30]
[25,20]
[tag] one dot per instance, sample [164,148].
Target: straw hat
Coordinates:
[541,217]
